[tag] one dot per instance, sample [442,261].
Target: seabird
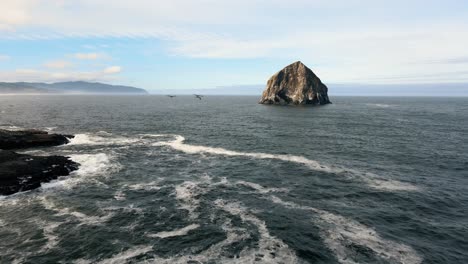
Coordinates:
[198,96]
[171,96]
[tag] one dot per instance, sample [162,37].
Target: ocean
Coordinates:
[226,180]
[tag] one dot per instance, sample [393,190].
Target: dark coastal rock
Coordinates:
[30,138]
[19,172]
[295,84]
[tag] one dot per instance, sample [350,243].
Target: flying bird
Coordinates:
[171,96]
[198,96]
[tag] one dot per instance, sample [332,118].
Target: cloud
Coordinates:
[455,60]
[15,13]
[87,56]
[34,75]
[4,57]
[358,40]
[112,69]
[57,64]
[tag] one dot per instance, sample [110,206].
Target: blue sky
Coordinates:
[204,44]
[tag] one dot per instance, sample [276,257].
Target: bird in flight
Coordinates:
[171,96]
[198,96]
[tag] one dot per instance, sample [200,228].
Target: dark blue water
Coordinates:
[226,180]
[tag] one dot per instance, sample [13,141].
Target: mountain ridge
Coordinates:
[74,87]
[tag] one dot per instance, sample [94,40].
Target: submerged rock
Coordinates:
[30,138]
[295,84]
[20,172]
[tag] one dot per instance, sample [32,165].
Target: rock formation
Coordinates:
[20,172]
[295,84]
[30,138]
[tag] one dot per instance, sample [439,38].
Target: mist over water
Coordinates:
[225,180]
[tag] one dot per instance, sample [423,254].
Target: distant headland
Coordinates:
[78,87]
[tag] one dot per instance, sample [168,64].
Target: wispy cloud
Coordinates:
[88,56]
[4,57]
[456,60]
[113,69]
[58,64]
[34,75]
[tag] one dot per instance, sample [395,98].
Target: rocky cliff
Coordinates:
[295,84]
[22,172]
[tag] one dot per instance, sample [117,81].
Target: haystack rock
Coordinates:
[295,84]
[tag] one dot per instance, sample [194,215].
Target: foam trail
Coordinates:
[124,256]
[90,139]
[259,188]
[188,193]
[81,217]
[370,179]
[48,231]
[381,105]
[149,186]
[338,231]
[267,243]
[178,232]
[269,249]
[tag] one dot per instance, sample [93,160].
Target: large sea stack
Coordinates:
[295,84]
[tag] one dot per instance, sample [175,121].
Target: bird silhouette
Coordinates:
[171,96]
[198,96]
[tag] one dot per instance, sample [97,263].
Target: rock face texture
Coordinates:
[30,138]
[295,84]
[20,172]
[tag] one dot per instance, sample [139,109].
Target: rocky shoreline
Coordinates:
[22,172]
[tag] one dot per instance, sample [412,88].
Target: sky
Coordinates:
[188,44]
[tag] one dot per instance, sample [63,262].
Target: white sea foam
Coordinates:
[13,128]
[120,195]
[84,219]
[381,105]
[391,185]
[370,179]
[339,232]
[267,243]
[269,249]
[126,255]
[148,186]
[259,188]
[130,208]
[92,166]
[48,231]
[343,231]
[187,194]
[94,139]
[178,232]
[179,144]
[49,129]
[95,164]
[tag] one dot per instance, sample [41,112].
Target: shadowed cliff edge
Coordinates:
[21,172]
